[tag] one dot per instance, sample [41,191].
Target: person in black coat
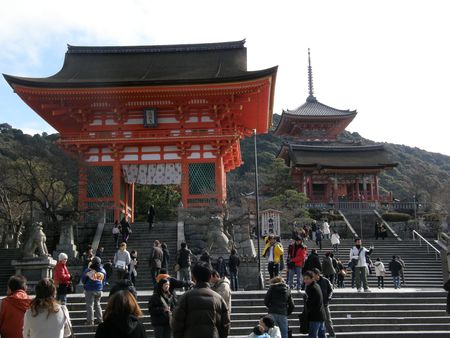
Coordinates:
[447,288]
[327,292]
[151,217]
[279,303]
[160,306]
[314,307]
[166,256]
[120,319]
[313,261]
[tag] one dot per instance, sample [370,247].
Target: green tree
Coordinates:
[165,199]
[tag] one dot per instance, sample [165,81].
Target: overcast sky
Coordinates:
[390,60]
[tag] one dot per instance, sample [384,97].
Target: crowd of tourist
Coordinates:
[204,309]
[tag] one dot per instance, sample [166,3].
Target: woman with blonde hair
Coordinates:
[46,317]
[120,319]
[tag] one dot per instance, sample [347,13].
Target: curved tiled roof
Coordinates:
[90,66]
[343,156]
[315,108]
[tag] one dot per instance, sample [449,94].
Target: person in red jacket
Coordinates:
[297,255]
[62,278]
[13,307]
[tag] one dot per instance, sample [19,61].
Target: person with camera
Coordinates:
[359,264]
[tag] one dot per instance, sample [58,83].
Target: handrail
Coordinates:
[99,231]
[421,238]
[443,234]
[386,224]
[355,235]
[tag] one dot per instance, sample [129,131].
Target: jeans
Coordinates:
[274,269]
[153,273]
[62,298]
[316,330]
[336,248]
[326,236]
[93,304]
[361,276]
[329,322]
[380,281]
[340,281]
[282,322]
[162,331]
[396,281]
[291,272]
[319,243]
[116,240]
[185,274]
[234,280]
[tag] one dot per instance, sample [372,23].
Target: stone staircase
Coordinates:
[365,217]
[7,270]
[422,268]
[415,311]
[142,240]
[405,313]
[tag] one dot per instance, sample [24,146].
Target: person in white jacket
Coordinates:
[326,230]
[46,317]
[380,272]
[335,241]
[268,326]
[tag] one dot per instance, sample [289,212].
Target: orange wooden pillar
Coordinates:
[184,182]
[221,185]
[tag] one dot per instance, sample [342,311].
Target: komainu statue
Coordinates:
[36,241]
[217,240]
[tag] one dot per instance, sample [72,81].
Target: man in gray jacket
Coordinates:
[156,258]
[222,286]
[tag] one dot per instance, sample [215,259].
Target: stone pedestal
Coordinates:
[66,243]
[34,269]
[249,275]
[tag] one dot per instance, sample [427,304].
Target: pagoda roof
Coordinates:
[110,66]
[345,156]
[316,109]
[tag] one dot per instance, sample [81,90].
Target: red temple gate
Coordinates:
[153,115]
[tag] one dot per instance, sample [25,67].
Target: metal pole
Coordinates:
[258,232]
[415,209]
[360,217]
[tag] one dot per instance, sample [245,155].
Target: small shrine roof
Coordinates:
[109,66]
[313,108]
[371,156]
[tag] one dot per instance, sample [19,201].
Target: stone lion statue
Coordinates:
[36,241]
[217,240]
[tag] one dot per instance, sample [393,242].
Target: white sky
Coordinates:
[390,60]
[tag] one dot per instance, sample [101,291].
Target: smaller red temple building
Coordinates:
[324,168]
